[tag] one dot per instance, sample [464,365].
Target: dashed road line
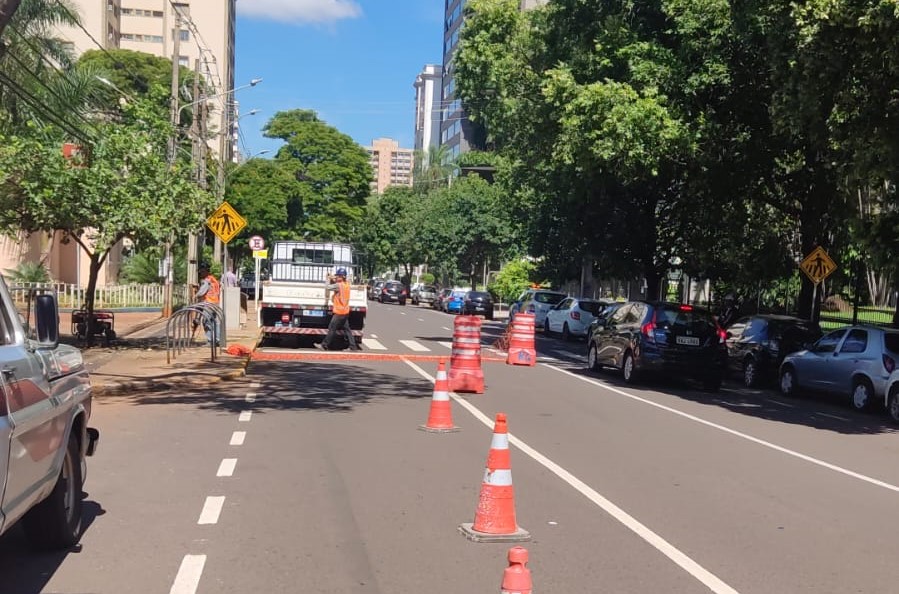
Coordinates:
[421,319]
[829,416]
[237,438]
[373,345]
[445,343]
[226,468]
[245,416]
[779,403]
[255,386]
[188,578]
[701,574]
[250,397]
[447,329]
[212,509]
[375,336]
[413,345]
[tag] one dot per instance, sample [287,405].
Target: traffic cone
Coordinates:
[440,418]
[494,520]
[517,576]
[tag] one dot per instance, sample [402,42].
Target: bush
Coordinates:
[28,272]
[514,278]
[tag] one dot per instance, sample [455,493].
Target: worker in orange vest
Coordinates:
[210,291]
[340,311]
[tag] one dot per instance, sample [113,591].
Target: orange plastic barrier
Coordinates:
[494,519]
[440,418]
[517,576]
[521,341]
[465,373]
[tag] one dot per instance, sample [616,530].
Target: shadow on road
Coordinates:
[26,571]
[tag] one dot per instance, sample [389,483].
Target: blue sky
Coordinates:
[352,61]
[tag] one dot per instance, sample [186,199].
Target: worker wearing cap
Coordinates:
[209,292]
[340,304]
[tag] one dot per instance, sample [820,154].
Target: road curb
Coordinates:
[156,384]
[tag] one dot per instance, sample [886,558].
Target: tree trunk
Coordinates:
[7,9]
[653,285]
[96,262]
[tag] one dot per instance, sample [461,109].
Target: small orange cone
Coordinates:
[494,519]
[517,577]
[440,419]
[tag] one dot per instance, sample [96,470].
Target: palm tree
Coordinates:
[433,169]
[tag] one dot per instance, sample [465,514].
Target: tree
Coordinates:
[331,174]
[515,277]
[432,169]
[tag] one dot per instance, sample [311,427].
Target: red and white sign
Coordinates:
[257,243]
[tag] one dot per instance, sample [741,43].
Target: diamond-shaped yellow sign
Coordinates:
[225,222]
[818,265]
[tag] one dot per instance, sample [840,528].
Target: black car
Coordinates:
[393,292]
[674,338]
[757,345]
[478,303]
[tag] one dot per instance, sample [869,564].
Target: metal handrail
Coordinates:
[179,329]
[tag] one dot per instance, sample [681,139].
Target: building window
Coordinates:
[184,61]
[185,35]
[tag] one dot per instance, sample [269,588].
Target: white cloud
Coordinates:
[300,11]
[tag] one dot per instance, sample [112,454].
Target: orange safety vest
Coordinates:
[341,299]
[215,290]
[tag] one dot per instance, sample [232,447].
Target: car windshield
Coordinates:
[679,320]
[427,289]
[550,298]
[478,295]
[891,341]
[459,293]
[593,307]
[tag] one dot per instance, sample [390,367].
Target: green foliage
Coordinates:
[28,272]
[515,277]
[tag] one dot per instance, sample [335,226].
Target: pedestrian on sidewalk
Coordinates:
[229,279]
[209,292]
[340,301]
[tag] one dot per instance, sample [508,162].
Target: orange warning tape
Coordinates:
[350,356]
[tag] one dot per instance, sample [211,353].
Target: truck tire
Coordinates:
[55,522]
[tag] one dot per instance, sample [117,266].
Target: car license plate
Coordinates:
[314,313]
[688,340]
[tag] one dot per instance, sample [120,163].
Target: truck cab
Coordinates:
[45,407]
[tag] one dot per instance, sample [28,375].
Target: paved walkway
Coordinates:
[138,359]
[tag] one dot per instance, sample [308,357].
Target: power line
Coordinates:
[43,110]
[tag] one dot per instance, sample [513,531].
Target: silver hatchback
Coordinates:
[856,361]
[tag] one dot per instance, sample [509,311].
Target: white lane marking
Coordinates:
[832,416]
[251,397]
[238,437]
[421,319]
[255,386]
[402,313]
[413,345]
[189,574]
[779,403]
[447,329]
[734,432]
[373,345]
[445,343]
[707,578]
[245,416]
[373,335]
[226,468]
[212,509]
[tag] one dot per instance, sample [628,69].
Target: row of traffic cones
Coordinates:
[495,519]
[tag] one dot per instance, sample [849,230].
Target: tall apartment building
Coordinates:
[427,107]
[455,129]
[390,164]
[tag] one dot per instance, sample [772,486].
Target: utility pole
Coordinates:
[173,155]
[199,157]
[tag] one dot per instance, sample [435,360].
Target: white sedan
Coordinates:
[572,317]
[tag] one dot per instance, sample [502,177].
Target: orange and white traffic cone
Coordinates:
[494,520]
[440,418]
[517,576]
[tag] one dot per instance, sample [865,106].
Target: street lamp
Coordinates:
[252,83]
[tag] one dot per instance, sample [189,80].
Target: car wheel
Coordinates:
[788,383]
[862,394]
[750,373]
[893,405]
[546,329]
[566,333]
[55,522]
[592,359]
[628,370]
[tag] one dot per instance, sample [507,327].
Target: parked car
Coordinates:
[478,303]
[247,284]
[393,292]
[572,317]
[538,302]
[855,361]
[374,290]
[757,345]
[892,396]
[441,298]
[675,338]
[455,302]
[424,294]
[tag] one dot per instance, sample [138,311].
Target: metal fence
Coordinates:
[110,297]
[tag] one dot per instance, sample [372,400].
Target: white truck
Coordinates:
[45,406]
[294,301]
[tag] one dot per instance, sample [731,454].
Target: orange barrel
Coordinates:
[521,341]
[465,364]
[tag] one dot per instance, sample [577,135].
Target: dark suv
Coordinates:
[478,303]
[393,292]
[757,345]
[675,338]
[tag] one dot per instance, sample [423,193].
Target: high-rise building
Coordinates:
[427,107]
[390,164]
[455,130]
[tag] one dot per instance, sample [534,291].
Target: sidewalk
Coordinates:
[136,361]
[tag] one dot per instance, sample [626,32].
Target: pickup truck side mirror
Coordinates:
[46,315]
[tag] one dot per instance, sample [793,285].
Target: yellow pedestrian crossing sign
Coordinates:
[225,222]
[818,265]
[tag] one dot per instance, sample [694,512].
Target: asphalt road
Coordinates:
[311,476]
